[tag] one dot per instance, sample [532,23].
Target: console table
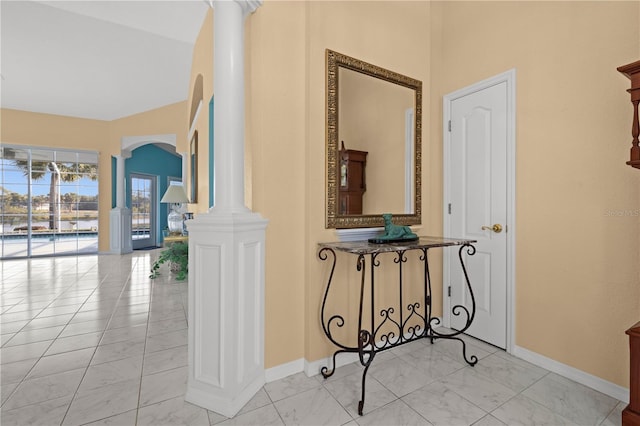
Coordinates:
[402,322]
[171,239]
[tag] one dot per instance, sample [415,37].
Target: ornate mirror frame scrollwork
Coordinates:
[335,61]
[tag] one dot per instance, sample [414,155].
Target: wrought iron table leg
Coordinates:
[361,402]
[338,320]
[367,347]
[325,370]
[458,310]
[365,338]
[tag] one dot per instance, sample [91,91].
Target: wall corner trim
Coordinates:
[572,373]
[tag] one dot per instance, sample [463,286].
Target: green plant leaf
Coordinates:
[177,254]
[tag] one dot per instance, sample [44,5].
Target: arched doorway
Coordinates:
[142,158]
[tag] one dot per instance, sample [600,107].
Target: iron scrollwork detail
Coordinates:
[395,325]
[457,310]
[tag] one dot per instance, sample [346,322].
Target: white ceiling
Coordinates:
[96,59]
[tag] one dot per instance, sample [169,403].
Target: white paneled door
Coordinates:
[477,207]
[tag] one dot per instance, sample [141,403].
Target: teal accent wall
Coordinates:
[151,160]
[211,174]
[114,163]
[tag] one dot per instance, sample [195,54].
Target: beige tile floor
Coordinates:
[92,340]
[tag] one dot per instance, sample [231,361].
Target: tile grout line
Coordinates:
[169,306]
[144,352]
[48,305]
[45,351]
[75,394]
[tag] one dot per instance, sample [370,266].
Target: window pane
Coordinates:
[14,153]
[41,160]
[15,200]
[13,172]
[14,240]
[42,243]
[66,157]
[66,243]
[15,223]
[50,185]
[88,170]
[42,181]
[14,164]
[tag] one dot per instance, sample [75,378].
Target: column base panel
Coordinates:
[225,405]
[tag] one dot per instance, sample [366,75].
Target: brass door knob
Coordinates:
[497,228]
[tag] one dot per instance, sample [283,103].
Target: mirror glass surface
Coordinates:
[373,123]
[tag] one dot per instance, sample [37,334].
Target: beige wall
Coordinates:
[276,136]
[354,29]
[577,270]
[577,260]
[286,42]
[170,119]
[202,64]
[47,130]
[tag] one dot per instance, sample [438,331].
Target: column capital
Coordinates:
[124,153]
[248,6]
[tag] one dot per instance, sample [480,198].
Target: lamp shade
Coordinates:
[175,194]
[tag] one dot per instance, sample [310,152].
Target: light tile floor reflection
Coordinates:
[92,340]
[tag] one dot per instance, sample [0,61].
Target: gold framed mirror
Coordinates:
[374,144]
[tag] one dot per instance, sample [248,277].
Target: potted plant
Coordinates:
[177,256]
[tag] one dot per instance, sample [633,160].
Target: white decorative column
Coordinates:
[120,215]
[227,246]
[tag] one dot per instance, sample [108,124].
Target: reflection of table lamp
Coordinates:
[175,195]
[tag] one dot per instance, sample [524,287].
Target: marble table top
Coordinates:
[365,247]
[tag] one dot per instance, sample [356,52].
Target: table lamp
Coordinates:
[175,196]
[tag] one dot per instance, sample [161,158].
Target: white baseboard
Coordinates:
[284,370]
[311,368]
[596,383]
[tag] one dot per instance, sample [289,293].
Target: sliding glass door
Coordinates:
[49,202]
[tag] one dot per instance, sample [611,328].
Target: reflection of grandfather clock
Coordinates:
[352,180]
